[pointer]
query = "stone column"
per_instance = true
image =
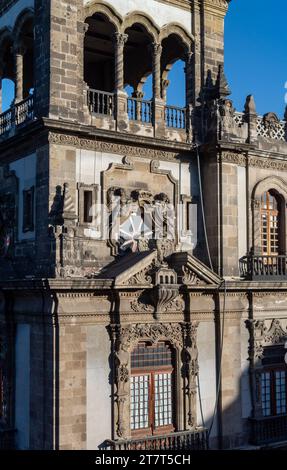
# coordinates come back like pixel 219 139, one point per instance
pixel 19 52
pixel 156 69
pixel 189 80
pixel 158 102
pixel 121 97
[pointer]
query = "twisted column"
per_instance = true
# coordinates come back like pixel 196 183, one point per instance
pixel 119 42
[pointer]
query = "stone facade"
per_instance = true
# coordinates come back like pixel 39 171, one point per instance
pixel 74 303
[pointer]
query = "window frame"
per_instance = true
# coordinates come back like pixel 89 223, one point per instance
pixel 94 189
pixel 273 399
pixel 28 225
pixel 269 212
pixel 152 371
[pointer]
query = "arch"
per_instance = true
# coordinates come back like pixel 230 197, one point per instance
pixel 6 35
pixel 144 20
pixel 271 182
pixel 278 186
pixel 26 15
pixel 177 30
pixel 106 10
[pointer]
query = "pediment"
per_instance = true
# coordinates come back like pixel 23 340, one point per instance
pixel 193 272
pixel 141 269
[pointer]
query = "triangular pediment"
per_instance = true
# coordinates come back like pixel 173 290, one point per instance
pixel 140 269
pixel 132 270
pixel 192 272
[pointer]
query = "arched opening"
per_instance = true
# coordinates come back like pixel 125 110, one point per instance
pixel 138 72
pixel 99 63
pixel 7 84
pixel 152 389
pixel 8 94
pixel 173 80
pixel 270 223
pixel 27 42
pixel 99 53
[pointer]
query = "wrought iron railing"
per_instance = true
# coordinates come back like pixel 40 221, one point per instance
pixel 186 440
pixel 263 267
pixel 140 110
pixel 7 439
pixel 175 117
pixel 268 430
pixel 18 114
pixel 101 102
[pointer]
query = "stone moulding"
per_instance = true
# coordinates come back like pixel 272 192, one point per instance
pixel 111 147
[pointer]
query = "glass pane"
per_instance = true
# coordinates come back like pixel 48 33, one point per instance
pixel 280 387
pixel 163 399
pixel 139 401
pixel 266 393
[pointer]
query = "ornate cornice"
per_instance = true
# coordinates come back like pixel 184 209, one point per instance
pixel 267 164
pixel 110 147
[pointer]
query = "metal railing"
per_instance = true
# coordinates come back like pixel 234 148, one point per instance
pixel 7 439
pixel 268 430
pixel 101 102
pixel 18 114
pixel 140 110
pixel 175 117
pixel 185 440
pixel 263 267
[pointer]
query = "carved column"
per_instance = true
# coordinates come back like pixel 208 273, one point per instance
pixel 158 103
pixel 121 97
pixel 19 52
pixel 191 372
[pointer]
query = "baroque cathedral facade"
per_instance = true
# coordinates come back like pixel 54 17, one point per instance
pixel 143 273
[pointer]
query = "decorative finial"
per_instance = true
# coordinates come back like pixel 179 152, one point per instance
pixel 222 87
pixel 250 106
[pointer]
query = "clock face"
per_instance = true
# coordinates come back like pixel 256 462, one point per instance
pixel 131 231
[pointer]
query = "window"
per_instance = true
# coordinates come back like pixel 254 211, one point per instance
pixel 273 392
pixel 88 204
pixel 87 199
pixel 152 389
pixel 269 224
pixel 273 382
pixel 28 210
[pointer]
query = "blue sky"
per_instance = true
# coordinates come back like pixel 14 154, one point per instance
pixel 255 53
pixel 255 57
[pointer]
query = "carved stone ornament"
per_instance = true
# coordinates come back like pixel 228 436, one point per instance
pixel 261 336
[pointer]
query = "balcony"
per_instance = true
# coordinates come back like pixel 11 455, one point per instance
pixel 263 268
pixel 7 439
pixel 17 115
pixel 268 430
pixel 101 102
pixel 140 110
pixel 179 441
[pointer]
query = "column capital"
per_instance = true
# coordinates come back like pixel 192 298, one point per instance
pixel 120 38
pixel 156 48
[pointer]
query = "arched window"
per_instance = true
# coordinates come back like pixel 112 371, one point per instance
pixel 152 389
pixel 270 224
